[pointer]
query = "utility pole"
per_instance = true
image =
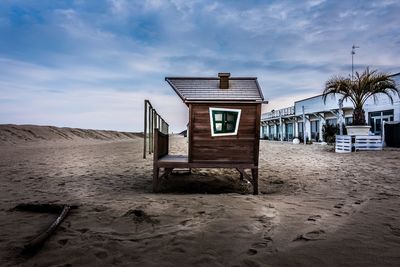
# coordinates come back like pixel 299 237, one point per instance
pixel 304 126
pixel 353 52
pixel 280 125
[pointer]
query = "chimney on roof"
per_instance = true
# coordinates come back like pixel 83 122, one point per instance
pixel 224 80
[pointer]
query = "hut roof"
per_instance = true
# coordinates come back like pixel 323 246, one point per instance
pixel 194 89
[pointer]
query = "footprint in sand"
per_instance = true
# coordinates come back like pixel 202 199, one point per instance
pixel 358 202
pixel 338 206
pixel 185 222
pixel 252 251
pixel 314 218
pixel 311 236
pixel 262 244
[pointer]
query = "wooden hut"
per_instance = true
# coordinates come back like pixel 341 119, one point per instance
pixel 223 129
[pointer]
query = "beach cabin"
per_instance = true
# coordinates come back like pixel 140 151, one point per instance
pixel 223 129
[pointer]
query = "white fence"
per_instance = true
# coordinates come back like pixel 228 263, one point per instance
pixel 343 144
pixel 362 142
pixel 367 142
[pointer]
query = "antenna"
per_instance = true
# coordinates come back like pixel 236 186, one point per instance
pixel 353 52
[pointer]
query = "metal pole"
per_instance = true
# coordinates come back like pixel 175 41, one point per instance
pixel 352 64
pixel 145 129
pixel 353 52
pixel 340 116
pixel 280 126
pixel 304 126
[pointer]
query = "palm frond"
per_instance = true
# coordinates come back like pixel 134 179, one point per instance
pixel 336 85
pixel 365 85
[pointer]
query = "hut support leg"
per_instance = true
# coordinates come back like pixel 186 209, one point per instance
pixel 156 172
pixel 243 174
pixel 254 174
pixel 167 171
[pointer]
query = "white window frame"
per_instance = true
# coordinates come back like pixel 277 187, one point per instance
pixel 239 111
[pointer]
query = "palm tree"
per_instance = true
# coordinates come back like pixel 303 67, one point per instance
pixel 368 84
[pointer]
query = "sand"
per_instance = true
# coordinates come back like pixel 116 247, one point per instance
pixel 315 208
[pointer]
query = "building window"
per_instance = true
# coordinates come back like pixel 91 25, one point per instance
pixel 271 132
pixel 377 118
pixel 331 121
pixel 289 131
pixel 224 121
pixel 300 129
pixel 277 132
pixel 348 120
pixel 314 130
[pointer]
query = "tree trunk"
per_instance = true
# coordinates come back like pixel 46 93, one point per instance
pixel 358 117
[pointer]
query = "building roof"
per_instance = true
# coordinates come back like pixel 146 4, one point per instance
pixel 192 89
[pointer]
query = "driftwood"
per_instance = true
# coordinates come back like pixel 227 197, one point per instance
pixel 36 243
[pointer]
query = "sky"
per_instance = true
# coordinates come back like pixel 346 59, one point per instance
pixel 91 64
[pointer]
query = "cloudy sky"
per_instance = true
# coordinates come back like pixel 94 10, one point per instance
pixel 90 64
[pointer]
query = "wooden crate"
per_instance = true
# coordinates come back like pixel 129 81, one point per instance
pixel 343 144
pixel 368 142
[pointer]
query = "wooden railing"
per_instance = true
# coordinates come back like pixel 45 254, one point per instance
pixel 161 144
pixel 152 121
pixel 278 113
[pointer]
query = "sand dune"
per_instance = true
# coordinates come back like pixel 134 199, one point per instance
pixel 17 134
pixel 316 208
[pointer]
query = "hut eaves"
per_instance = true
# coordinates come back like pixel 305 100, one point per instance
pixel 194 89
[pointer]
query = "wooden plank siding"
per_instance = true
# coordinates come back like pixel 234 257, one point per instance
pixel 240 148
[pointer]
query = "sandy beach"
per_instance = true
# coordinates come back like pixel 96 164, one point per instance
pixel 315 208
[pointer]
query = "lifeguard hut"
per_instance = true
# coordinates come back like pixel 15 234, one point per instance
pixel 223 129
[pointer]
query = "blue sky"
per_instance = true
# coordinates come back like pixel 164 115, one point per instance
pixel 90 64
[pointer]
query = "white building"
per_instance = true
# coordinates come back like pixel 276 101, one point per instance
pixel 287 123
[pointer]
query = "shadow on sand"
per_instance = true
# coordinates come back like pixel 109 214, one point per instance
pixel 205 183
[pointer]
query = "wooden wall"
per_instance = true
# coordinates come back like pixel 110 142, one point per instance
pixel 240 148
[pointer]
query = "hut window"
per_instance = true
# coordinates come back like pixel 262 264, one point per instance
pixel 224 121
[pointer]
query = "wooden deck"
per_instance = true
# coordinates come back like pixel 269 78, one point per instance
pixel 166 163
pixel 173 161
